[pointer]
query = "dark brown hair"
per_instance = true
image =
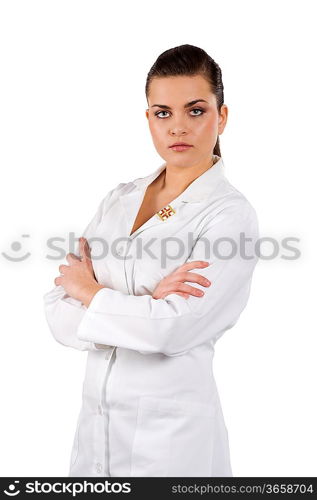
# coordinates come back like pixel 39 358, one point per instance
pixel 188 60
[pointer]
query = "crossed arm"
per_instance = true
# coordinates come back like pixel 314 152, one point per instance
pixel 172 325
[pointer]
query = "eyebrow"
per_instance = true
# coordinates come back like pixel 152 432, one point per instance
pixel 185 106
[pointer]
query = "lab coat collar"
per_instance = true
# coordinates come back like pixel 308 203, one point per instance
pixel 199 189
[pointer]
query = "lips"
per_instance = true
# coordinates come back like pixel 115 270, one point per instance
pixel 180 146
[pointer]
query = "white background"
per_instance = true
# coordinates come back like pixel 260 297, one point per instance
pixel 73 126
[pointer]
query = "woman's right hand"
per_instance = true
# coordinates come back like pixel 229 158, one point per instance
pixel 174 282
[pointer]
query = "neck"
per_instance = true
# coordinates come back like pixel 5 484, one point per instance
pixel 174 180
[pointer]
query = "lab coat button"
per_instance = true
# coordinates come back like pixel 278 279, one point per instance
pixel 98 467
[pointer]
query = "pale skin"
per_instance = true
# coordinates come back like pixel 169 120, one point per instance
pixel 171 119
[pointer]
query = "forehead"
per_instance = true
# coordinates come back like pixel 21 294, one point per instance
pixel 179 90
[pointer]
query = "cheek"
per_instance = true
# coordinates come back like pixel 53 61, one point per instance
pixel 206 129
pixel 157 130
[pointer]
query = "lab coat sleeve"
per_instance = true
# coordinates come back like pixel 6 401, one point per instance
pixel 174 325
pixel 64 313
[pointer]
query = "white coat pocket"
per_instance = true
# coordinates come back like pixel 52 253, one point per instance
pixel 173 438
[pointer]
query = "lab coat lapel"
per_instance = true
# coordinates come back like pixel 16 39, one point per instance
pixel 196 192
pixel 131 203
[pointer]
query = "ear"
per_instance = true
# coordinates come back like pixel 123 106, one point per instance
pixel 223 117
pixel 147 113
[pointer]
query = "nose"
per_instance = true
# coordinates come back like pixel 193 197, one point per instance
pixel 178 129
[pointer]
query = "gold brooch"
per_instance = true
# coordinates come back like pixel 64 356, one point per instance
pixel 166 212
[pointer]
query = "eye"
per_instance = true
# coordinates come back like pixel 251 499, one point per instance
pixel 202 111
pixel 159 112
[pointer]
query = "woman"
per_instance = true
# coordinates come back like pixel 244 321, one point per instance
pixel 150 402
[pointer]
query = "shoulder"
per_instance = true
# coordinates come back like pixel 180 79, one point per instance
pixel 124 188
pixel 229 209
pixel 117 191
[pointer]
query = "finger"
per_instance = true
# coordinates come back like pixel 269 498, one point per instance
pixel 57 281
pixel 193 277
pixel 62 268
pixel 187 276
pixel 181 287
pixel 84 249
pixel 81 247
pixel 185 295
pixel 71 257
pixel 194 264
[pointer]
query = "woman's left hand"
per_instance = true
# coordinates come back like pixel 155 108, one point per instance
pixel 78 278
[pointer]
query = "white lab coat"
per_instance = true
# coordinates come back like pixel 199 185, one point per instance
pixel 150 405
